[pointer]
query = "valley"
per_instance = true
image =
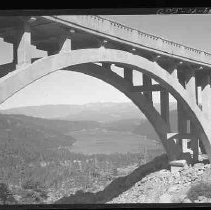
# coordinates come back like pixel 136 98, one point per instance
pixel 44 159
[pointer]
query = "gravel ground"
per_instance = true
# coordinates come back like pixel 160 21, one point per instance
pixel 165 186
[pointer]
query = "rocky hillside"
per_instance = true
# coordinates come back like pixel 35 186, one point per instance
pixel 189 185
pixel 153 183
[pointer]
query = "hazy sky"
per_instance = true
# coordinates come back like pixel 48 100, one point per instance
pixel 75 88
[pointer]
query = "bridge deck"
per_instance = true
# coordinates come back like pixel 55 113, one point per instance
pixel 127 35
pixel 47 30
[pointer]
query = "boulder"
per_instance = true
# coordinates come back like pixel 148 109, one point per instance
pixel 202 198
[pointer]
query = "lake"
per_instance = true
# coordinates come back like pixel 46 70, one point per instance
pixel 99 141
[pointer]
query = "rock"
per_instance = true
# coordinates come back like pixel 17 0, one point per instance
pixel 182 197
pixel 208 200
pixel 165 198
pixel 186 184
pixel 200 172
pixel 173 188
pixel 187 200
pixel 197 201
pixel 198 165
pixel 202 198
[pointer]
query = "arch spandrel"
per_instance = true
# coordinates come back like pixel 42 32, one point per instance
pixel 17 80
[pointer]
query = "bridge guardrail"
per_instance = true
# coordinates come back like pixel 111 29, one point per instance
pixel 126 33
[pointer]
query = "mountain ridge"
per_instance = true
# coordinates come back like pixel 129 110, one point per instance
pixel 108 111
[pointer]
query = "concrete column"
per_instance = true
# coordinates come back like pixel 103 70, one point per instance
pixel 128 75
pixel 194 144
pixel 66 45
pixel 190 84
pixel 181 77
pixel 174 73
pixel 182 124
pixel 206 96
pixel 63 44
pixel 22 47
pixel 147 81
pixel 106 65
pixel 164 105
pixel 202 149
pixel 181 115
pixel 199 96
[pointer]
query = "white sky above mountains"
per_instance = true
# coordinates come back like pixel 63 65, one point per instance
pixel 75 88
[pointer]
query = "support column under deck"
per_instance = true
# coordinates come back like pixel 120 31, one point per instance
pixel 22 47
pixel 190 85
pixel 147 81
pixel 164 106
pixel 181 115
pixel 206 95
pixel 64 44
pixel 206 100
pixel 128 75
pixel 181 125
pixel 194 142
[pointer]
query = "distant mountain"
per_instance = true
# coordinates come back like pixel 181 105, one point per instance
pixel 140 126
pixel 92 111
pixel 55 125
pixel 28 138
pixel 62 119
pixel 45 111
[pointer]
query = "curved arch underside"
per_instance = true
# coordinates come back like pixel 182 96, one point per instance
pixel 18 79
pixel 160 126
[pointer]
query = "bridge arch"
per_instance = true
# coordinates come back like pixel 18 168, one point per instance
pixel 18 79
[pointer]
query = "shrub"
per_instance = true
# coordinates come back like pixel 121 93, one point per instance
pixel 36 186
pixel 200 189
pixel 6 196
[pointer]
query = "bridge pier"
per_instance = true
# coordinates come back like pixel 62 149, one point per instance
pixel 128 75
pixel 188 80
pixel 205 91
pixel 181 115
pixel 22 46
pixel 165 114
pixel 164 106
pixel 182 123
pixel 147 82
pixel 190 84
pixel 194 144
pixel 64 44
pixel 206 95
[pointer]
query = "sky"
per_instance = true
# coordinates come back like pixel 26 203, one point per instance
pixel 75 88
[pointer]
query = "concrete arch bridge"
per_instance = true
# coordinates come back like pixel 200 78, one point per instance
pixel 93 46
